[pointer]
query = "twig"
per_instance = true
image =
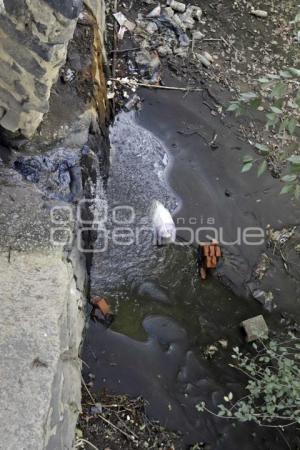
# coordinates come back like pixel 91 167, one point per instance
pixel 86 442
pixel 134 49
pixel 156 86
pixel 131 437
pixel 284 438
pixel 88 391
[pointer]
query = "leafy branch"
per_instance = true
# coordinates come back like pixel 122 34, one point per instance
pixel 273 386
pixel 278 96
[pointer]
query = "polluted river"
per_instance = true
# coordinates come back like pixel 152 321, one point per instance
pixel 172 336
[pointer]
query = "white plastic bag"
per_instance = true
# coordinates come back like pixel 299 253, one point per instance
pixel 163 224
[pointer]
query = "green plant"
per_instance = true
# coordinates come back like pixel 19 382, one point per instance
pixel 273 385
pixel 278 95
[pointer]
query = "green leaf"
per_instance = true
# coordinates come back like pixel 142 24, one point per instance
pixel 273 76
pixel 297 18
pixel 247 96
pixel 289 178
pixel 233 107
pixel 255 103
pixel 264 80
pixel 276 110
pixel 294 71
pixel 287 188
pixel 262 168
pixel 247 166
pixel 279 90
pixel 272 119
pixel 297 192
pixel 295 159
pixel 263 149
pixel 247 159
pixel 297 99
pixel 283 125
pixel 285 74
pixel 292 125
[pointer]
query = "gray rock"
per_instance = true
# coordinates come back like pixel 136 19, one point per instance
pixel 151 291
pixel 255 328
pixel 263 297
pixel 176 6
pixel 164 50
pixel 195 12
pixel 169 11
pixel 151 28
pixel 182 52
pixel 259 13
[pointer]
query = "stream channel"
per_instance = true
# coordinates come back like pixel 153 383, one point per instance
pixel 165 317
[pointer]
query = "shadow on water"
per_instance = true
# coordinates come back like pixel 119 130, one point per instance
pixel 165 318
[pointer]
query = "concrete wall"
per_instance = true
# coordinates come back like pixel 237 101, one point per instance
pixel 43 287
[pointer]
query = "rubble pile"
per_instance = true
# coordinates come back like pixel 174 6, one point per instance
pixel 169 30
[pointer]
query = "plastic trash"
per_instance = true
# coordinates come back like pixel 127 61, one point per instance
pixel 163 224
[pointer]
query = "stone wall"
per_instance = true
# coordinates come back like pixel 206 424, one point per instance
pixel 34 36
pixel 43 286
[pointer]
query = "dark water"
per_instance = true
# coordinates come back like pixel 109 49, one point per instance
pixel 165 318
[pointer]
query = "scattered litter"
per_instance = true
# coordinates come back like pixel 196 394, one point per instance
pixel 280 237
pixel 97 409
pixel 265 298
pixel 204 60
pixel 152 28
pixel 208 57
pixel 197 35
pixel 169 11
pixel 208 255
pixel 259 13
pixel 102 311
pixel 110 95
pixel 163 223
pixel 156 12
pixel 164 50
pixel 132 83
pixel 223 343
pixel 195 12
pixel 182 52
pixel 121 33
pixel 68 75
pixel 210 351
pixel 176 6
pixel 134 102
pixel 255 328
pixel 262 266
pixel 123 21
